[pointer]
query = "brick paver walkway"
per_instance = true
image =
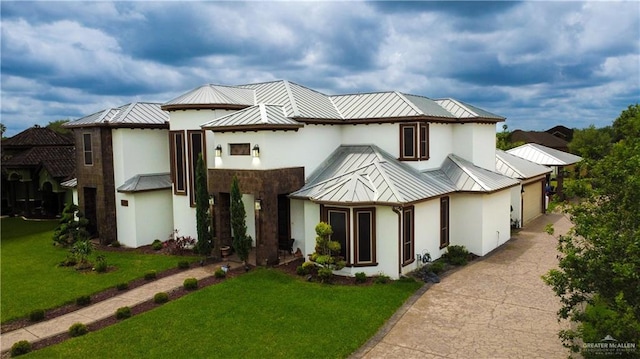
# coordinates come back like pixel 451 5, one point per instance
pixel 496 307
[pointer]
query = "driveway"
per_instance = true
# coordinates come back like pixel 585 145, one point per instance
pixel 496 307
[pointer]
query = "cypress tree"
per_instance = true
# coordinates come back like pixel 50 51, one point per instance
pixel 203 246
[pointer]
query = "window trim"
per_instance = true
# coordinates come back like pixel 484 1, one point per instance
pixel 240 149
pixel 408 211
pixel 445 228
pixel 420 137
pixel 173 136
pixel 372 239
pixel 192 164
pixel 324 216
pixel 86 152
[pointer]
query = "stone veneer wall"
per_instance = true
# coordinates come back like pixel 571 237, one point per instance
pixel 99 176
pixel 265 185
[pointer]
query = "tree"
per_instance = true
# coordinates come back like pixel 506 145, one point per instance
pixel 241 242
pixel 591 143
pixel 327 252
pixel 57 126
pixel 203 246
pixel 503 140
pixel 3 129
pixel 70 230
pixel 598 279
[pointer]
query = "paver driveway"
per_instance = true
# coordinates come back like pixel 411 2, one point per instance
pixel 497 307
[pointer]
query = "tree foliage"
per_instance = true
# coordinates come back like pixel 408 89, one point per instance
pixel 503 140
pixel 70 230
pixel 591 143
pixel 598 280
pixel 241 242
pixel 327 251
pixel 57 126
pixel 203 221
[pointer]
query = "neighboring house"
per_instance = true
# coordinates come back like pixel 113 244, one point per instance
pixel 540 137
pixel 396 175
pixel 530 203
pixel 34 163
pixel 549 157
pixel 562 132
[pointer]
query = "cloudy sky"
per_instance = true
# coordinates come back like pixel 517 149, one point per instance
pixel 537 63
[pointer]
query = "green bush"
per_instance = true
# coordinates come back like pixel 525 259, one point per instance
pixel 437 267
pixel 122 286
pixel 406 279
pixel 361 277
pixel 101 264
pixel 78 329
pixel 325 275
pixel 160 298
pixel 150 275
pixel 190 284
pixel 36 315
pixel 123 313
pixel 115 244
pixel 183 264
pixel 306 268
pixel 219 273
pixel 456 255
pixel 300 270
pixel 381 279
pixel 83 300
pixel 20 348
pixel 156 245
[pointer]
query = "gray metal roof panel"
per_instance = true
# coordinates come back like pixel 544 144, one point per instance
pixel 146 182
pixel 72 183
pixel 428 107
pixel 517 167
pixel 260 115
pixel 468 177
pixel 136 113
pixel 215 94
pixel 462 110
pixel 544 155
pixel 374 105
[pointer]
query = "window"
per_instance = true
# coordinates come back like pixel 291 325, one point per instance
pixel 414 141
pixel 407 235
pixel 87 150
pixel 239 149
pixel 196 146
pixel 338 218
pixel 365 235
pixel 444 222
pixel 178 167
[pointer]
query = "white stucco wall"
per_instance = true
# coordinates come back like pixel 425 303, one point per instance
pixel 139 151
pixel 516 204
pixel 476 143
pixel 427 232
pixel 466 218
pixel 311 219
pixel 145 219
pixel 297 224
pixel 496 228
pixel 126 218
pixel 248 200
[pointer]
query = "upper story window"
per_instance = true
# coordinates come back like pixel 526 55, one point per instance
pixel 87 149
pixel 239 149
pixel 196 145
pixel 414 141
pixel 178 165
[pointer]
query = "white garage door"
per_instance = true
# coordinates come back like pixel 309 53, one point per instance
pixel 532 201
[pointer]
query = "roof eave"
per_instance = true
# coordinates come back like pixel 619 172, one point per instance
pixel 203 106
pixel 247 128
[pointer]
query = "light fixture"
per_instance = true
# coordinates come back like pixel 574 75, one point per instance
pixel 256 151
pixel 219 151
pixel 212 200
pixel 257 205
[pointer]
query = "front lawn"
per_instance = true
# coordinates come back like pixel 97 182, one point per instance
pixel 31 279
pixel 261 314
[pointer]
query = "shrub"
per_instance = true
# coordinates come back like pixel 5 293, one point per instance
pixel 300 270
pixel 183 264
pixel 101 264
pixel 405 279
pixel 191 283
pixel 20 348
pixel 150 275
pixel 156 245
pixel 122 286
pixel 160 298
pixel 456 255
pixel 219 273
pixel 361 277
pixel 325 274
pixel 115 244
pixel 36 315
pixel 123 313
pixel 78 329
pixel 70 261
pixel 437 267
pixel 381 279
pixel 83 300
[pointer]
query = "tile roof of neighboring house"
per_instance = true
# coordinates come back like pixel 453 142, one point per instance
pixel 38 136
pixel 367 174
pixel 146 182
pixel 260 117
pixel 544 155
pixel 541 138
pixel 562 132
pixel 133 115
pixel 468 177
pixel 517 167
pixel 58 161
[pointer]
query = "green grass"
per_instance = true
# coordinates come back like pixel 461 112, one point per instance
pixel 31 279
pixel 261 314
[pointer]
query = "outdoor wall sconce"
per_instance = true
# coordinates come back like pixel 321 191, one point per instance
pixel 219 151
pixel 256 151
pixel 257 205
pixel 212 200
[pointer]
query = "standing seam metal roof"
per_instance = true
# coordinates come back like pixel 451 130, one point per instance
pixel 260 115
pixel 137 113
pixel 517 167
pixel 468 177
pixel 544 155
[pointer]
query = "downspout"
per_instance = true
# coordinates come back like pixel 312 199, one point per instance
pixel 398 210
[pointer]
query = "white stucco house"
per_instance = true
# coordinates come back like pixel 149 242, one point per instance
pixel 396 175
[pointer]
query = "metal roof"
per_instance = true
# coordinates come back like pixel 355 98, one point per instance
pixel 544 155
pixel 465 111
pixel 374 105
pixel 72 183
pixel 468 177
pixel 146 182
pixel 137 114
pixel 257 117
pixel 214 94
pixel 367 174
pixel 517 167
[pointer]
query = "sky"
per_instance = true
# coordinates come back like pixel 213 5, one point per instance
pixel 539 64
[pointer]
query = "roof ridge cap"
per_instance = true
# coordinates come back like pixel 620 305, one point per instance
pixel 457 161
pixel 408 102
pixel 294 105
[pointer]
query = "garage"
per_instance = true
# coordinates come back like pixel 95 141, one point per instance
pixel 532 201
